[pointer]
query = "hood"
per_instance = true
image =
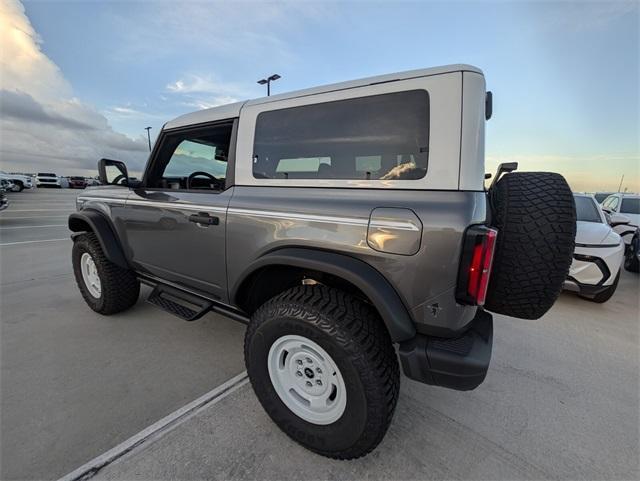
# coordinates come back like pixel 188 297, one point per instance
pixel 634 218
pixel 595 233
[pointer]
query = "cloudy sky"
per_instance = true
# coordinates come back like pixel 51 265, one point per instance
pixel 81 80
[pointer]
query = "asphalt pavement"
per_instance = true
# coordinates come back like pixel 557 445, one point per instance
pixel 561 400
pixel 73 383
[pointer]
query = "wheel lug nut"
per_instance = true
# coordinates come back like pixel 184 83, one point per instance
pixel 319 382
pixel 318 370
pixel 299 361
pixel 309 384
pixel 299 374
pixel 309 360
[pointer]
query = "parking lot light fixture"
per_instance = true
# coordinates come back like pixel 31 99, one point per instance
pixel 268 81
pixel 148 136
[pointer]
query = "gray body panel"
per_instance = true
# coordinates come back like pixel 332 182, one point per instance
pixel 163 242
pixel 263 219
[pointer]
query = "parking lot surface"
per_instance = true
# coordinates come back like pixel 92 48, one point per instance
pixel 561 400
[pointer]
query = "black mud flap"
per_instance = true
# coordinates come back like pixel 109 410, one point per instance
pixel 459 363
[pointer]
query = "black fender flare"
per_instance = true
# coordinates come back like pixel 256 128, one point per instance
pixel 96 222
pixel 374 285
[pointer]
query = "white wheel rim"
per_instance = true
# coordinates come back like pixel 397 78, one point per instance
pixel 90 275
pixel 307 380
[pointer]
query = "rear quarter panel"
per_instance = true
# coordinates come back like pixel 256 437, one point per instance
pixel 262 219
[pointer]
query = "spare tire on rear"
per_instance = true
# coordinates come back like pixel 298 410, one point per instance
pixel 535 215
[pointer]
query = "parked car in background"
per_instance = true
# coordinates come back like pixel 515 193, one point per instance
pixel 45 179
pixel 4 186
pixel 627 205
pixel 77 182
pixel 632 256
pixel 600 196
pixel 7 185
pixel 4 202
pixel 597 258
pixel 19 181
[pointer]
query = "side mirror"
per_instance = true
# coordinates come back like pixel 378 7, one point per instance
pixel 618 219
pixel 112 172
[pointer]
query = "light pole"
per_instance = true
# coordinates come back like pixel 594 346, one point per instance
pixel 148 136
pixel 268 81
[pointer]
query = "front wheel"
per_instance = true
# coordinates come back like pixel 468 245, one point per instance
pixel 106 287
pixel 323 366
pixel 18 187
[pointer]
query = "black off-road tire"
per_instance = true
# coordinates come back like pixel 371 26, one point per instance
pixel 19 187
pixel 535 215
pixel 631 263
pixel 352 333
pixel 605 295
pixel 120 288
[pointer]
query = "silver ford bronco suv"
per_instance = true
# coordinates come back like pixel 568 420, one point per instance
pixel 337 222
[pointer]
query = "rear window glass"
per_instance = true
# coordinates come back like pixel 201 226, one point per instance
pixel 630 206
pixel 382 137
pixel 586 210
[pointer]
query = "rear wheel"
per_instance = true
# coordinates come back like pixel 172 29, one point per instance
pixel 534 213
pixel 106 287
pixel 18 187
pixel 323 366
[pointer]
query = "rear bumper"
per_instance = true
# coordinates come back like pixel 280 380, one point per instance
pixel 459 363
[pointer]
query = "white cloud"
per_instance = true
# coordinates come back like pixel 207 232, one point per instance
pixel 205 92
pixel 43 126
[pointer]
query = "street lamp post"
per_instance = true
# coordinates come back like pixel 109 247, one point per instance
pixel 268 81
pixel 148 136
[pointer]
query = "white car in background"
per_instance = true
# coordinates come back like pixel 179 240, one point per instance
pixel 598 254
pixel 629 206
pixel 19 181
pixel 44 179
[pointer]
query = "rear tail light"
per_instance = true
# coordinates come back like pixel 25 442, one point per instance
pixel 475 265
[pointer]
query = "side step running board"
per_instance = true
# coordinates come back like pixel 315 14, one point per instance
pixel 179 303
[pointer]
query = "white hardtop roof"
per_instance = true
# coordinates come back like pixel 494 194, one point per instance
pixel 233 110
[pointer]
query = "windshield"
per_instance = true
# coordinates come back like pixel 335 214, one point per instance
pixel 41 174
pixel 586 210
pixel 600 196
pixel 630 206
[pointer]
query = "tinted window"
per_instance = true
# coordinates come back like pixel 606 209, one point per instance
pixel 46 175
pixel 379 137
pixel 193 160
pixel 630 206
pixel 600 196
pixel 614 203
pixel 586 210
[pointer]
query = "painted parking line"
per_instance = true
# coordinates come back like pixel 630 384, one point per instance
pixel 33 241
pixel 167 423
pixel 32 226
pixel 5 217
pixel 39 210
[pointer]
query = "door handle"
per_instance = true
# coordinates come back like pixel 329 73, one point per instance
pixel 204 218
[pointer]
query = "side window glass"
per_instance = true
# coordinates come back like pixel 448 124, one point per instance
pixel 194 160
pixel 383 137
pixel 614 203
